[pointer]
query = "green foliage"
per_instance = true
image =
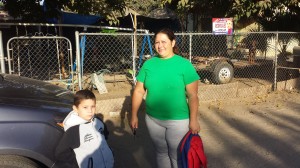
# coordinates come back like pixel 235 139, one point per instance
pixel 264 11
pixel 142 7
pixel 110 9
pixel 108 31
pixel 27 9
pixel 31 10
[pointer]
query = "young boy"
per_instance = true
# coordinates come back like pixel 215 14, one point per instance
pixel 83 144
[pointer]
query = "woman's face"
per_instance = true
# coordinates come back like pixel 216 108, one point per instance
pixel 164 46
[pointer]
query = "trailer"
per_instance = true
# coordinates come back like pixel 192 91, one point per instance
pixel 218 70
pixel 221 69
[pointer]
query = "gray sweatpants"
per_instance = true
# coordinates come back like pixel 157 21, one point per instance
pixel 166 136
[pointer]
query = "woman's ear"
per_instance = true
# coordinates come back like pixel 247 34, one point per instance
pixel 173 43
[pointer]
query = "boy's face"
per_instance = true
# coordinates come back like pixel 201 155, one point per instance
pixel 86 109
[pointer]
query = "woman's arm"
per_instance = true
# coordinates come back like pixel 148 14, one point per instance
pixel 137 98
pixel 193 101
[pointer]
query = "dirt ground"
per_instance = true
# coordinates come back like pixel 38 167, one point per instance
pixel 253 132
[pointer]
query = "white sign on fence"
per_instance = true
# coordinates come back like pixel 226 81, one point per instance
pixel 222 26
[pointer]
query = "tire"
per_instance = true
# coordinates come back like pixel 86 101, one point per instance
pixel 13 161
pixel 222 73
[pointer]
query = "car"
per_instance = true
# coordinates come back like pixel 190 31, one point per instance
pixel 30 115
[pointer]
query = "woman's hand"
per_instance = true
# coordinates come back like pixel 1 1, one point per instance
pixel 137 99
pixel 194 126
pixel 134 122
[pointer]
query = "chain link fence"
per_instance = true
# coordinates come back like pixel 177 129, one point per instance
pixel 47 58
pixel 108 62
pixel 253 60
pixel 243 60
pixel 109 66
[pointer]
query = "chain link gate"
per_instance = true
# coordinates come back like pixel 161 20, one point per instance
pixel 47 58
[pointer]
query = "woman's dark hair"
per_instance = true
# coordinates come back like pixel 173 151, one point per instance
pixel 170 35
pixel 83 95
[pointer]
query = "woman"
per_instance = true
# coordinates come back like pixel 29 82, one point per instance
pixel 170 81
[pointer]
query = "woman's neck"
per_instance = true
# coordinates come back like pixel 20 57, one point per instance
pixel 167 57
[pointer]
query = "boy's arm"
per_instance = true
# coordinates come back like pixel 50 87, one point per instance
pixel 64 153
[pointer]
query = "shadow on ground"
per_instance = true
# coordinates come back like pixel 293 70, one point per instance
pixel 253 132
pixel 252 136
pixel 130 151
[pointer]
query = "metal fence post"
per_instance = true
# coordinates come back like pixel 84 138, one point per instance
pixel 8 56
pixel 78 66
pixel 275 66
pixel 2 54
pixel 134 51
pixel 190 48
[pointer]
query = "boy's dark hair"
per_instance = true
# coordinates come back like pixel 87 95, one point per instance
pixel 83 95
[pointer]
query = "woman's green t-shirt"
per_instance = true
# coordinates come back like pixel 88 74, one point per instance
pixel 165 81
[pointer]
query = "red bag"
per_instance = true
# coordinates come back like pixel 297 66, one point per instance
pixel 192 151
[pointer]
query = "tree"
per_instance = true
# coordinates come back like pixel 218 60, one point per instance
pixel 110 9
pixel 275 15
pixel 202 8
pixel 279 15
pixel 33 11
pixel 269 13
pixel 142 7
pixel 28 10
